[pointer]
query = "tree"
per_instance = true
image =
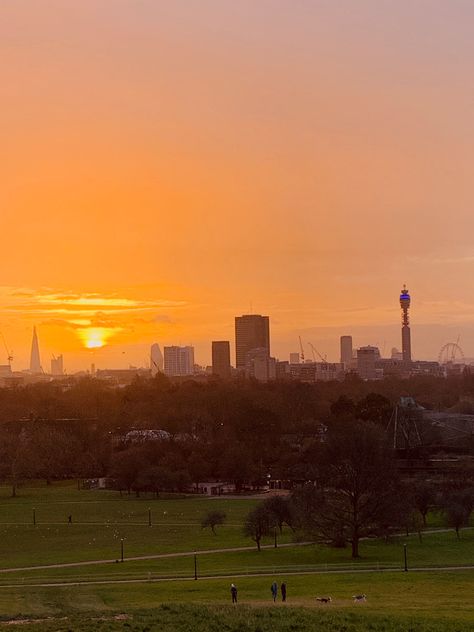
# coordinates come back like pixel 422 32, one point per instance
pixel 258 524
pixel 457 508
pixel 424 497
pixel 355 489
pixel 280 509
pixel 126 468
pixel 375 408
pixel 213 519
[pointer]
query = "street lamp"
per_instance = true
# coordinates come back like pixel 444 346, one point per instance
pixel 149 516
pixel 405 557
pixel 34 516
pixel 121 549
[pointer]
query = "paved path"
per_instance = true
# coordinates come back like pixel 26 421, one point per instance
pixel 149 557
pixel 148 580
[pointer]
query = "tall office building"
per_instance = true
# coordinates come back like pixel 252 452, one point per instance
pixel 57 365
pixel 406 336
pixel 179 361
pixel 260 366
pixel 346 351
pixel 221 358
pixel 35 359
pixel 367 358
pixel 294 358
pixel 156 359
pixel 251 332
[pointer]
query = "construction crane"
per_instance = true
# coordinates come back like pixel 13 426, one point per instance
pixel 302 350
pixel 9 353
pixel 315 351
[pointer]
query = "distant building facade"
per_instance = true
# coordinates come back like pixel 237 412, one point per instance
pixel 294 358
pixel 57 365
pixel 346 351
pixel 252 331
pixel 367 360
pixel 221 358
pixel 178 361
pixel 259 365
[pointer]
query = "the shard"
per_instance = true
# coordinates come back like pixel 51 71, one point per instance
pixel 35 360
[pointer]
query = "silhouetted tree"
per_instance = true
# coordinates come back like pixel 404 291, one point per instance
pixel 213 519
pixel 356 487
pixel 258 524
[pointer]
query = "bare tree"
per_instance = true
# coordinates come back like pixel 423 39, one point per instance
pixel 355 489
pixel 258 524
pixel 213 519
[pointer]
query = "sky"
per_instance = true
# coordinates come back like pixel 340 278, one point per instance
pixel 165 166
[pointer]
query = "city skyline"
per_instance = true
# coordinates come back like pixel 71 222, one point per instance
pixel 298 161
pixel 253 329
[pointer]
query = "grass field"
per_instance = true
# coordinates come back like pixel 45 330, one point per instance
pixel 413 600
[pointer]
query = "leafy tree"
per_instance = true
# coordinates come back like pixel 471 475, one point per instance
pixel 126 468
pixel 344 406
pixel 213 519
pixel 374 407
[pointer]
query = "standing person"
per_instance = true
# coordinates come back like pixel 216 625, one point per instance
pixel 283 591
pixel 233 592
pixel 274 590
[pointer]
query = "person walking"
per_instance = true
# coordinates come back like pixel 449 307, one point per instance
pixel 274 590
pixel 233 592
pixel 283 591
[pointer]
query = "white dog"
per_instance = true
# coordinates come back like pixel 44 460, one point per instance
pixel 359 598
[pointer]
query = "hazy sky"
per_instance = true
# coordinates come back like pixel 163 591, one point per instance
pixel 168 165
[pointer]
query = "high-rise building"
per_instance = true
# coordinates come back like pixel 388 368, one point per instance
pixel 57 365
pixel 346 351
pixel 260 366
pixel 156 359
pixel 252 331
pixel 35 359
pixel 294 358
pixel 406 336
pixel 221 358
pixel 178 361
pixel 367 359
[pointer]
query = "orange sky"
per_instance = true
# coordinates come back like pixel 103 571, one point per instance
pixel 168 165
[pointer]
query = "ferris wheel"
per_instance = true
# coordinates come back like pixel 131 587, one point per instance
pixel 451 353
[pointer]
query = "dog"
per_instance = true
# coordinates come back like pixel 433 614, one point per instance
pixel 324 599
pixel 359 598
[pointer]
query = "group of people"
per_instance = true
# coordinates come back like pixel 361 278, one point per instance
pixel 273 589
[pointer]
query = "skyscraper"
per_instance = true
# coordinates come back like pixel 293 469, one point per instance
pixel 156 359
pixel 346 351
pixel 57 365
pixel 406 336
pixel 179 361
pixel 221 358
pixel 252 331
pixel 35 360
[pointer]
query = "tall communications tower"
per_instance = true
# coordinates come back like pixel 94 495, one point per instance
pixel 406 336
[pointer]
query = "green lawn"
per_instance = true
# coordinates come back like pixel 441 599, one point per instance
pixel 396 600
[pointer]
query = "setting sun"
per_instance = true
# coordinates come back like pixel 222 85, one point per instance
pixel 95 337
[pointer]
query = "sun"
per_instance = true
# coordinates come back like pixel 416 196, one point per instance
pixel 95 337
